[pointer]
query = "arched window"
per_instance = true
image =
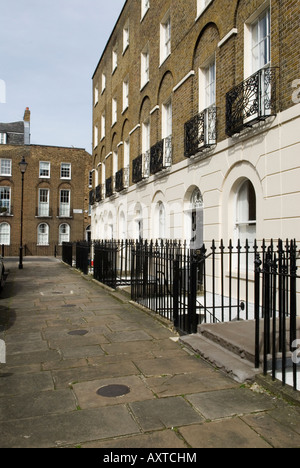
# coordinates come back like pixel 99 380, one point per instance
pixel 161 220
pixel 64 233
pixel 246 212
pixel 196 219
pixel 4 234
pixel 43 234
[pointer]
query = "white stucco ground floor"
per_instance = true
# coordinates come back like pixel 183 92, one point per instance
pixel 248 186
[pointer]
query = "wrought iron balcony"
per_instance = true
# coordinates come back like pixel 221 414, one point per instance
pixel 98 193
pixel 110 186
pixel 161 155
pixel 251 101
pixel 200 132
pixel 122 179
pixel 141 167
pixel 92 197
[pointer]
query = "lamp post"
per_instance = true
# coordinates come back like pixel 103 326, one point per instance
pixel 23 166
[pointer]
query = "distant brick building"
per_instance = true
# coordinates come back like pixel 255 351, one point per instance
pixel 196 122
pixel 56 205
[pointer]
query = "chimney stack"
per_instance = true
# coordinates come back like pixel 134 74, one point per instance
pixel 27 126
pixel 27 115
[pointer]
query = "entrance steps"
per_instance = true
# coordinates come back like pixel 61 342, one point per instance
pixel 227 346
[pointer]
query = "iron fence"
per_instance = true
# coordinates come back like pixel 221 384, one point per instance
pixel 219 283
pixel 67 253
pixel 276 301
pixel 112 262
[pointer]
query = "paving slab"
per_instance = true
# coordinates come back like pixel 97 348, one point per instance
pixel 166 439
pixel 159 414
pixel 19 384
pixel 230 402
pixel 278 434
pixel 87 396
pixel 68 428
pixel 230 433
pixel 30 405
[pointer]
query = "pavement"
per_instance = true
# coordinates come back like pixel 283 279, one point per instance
pixel 87 368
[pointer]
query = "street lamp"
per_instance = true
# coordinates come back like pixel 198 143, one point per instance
pixel 23 166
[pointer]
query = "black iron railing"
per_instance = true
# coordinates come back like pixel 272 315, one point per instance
pixel 67 253
pixel 98 193
pixel 251 101
pixel 92 197
pixel 161 155
pixel 109 187
pixel 200 132
pixel 112 262
pixel 216 283
pixel 276 301
pixel 122 179
pixel 141 167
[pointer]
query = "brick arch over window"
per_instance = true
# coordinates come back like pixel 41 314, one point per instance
pixel 206 51
pixel 165 88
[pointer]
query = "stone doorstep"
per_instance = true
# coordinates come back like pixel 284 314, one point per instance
pixel 237 368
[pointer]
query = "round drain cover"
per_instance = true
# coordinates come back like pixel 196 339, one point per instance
pixel 112 391
pixel 78 332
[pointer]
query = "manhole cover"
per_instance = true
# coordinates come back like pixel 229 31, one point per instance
pixel 69 305
pixel 56 292
pixel 78 332
pixel 112 391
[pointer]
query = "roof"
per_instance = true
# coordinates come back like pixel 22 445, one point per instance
pixel 12 127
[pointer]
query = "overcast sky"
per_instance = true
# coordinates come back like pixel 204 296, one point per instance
pixel 49 50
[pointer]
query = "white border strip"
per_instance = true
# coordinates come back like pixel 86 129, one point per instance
pixel 233 32
pixel 191 73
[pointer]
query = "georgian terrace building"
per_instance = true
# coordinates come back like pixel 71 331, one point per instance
pixel 196 122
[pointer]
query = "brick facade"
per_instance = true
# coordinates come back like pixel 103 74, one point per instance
pixel 223 32
pixel 77 185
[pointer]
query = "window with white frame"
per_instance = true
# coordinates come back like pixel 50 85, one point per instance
pixel 126 153
pixel 5 199
pixel 43 202
pixel 145 75
pixel 3 139
pixel 210 84
pixel 96 136
pixel 4 234
pixel 43 234
pixel 5 167
pixel 125 93
pixel 103 122
pixel 64 233
pixel 103 82
pixel 246 212
pixel 126 36
pixel 146 136
pixel 261 42
pixel 115 162
pixel 165 38
pixel 114 111
pixel 96 95
pixel 91 179
pixel 161 220
pixel 44 170
pixel 145 5
pixel 64 205
pixel 201 6
pixel 65 171
pixel 167 119
pixel 114 60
